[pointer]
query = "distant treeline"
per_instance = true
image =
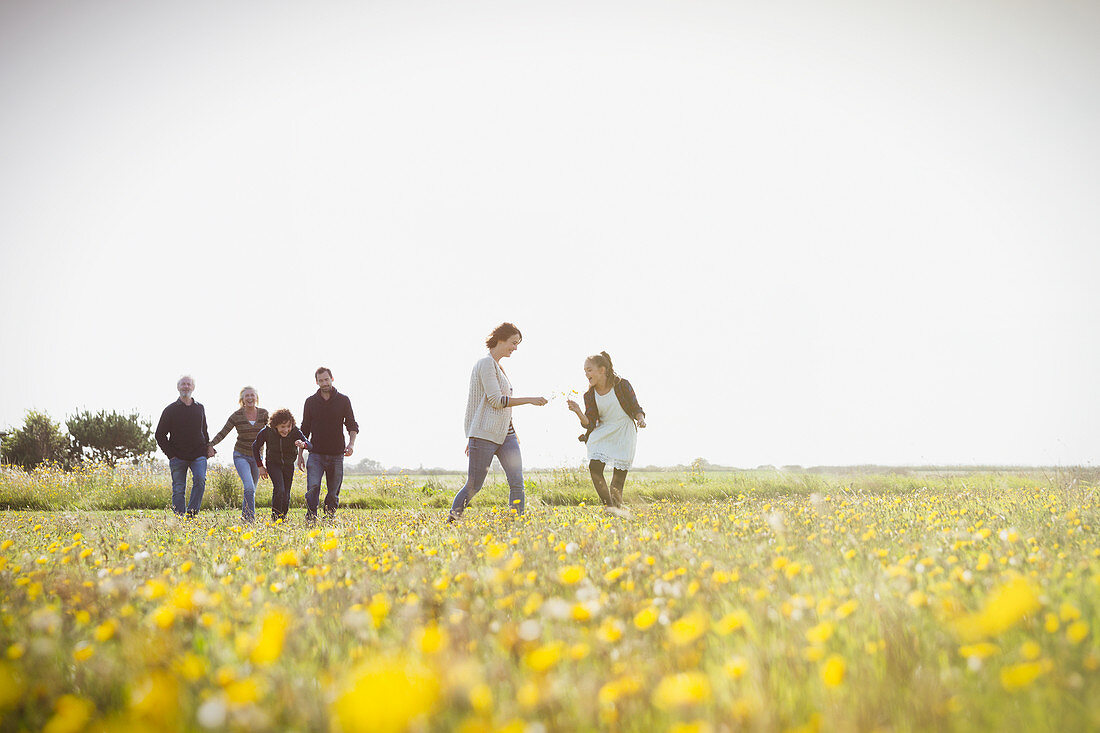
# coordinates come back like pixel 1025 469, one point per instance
pixel 371 467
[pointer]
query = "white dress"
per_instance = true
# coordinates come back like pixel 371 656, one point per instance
pixel 615 437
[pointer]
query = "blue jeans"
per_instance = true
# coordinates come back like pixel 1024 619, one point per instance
pixel 250 474
pixel 333 469
pixel 481 457
pixel 179 484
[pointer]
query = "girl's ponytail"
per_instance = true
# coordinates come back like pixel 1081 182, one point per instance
pixel 604 359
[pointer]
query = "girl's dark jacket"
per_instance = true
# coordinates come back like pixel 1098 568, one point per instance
pixel 627 400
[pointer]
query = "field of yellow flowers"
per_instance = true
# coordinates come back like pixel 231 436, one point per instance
pixel 927 609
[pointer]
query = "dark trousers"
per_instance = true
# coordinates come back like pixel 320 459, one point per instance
pixel 614 496
pixel 281 479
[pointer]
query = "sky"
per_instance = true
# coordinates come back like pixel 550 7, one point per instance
pixel 808 233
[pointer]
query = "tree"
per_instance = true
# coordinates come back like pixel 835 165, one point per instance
pixel 40 439
pixel 368 465
pixel 110 436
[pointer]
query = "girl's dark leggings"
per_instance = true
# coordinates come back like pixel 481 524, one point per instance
pixel 614 496
pixel 281 479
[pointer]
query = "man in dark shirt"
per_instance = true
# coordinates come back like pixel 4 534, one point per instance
pixel 182 435
pixel 324 417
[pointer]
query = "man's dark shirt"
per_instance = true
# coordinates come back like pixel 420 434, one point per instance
pixel 323 422
pixel 181 432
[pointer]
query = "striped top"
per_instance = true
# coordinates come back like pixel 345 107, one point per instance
pixel 488 415
pixel 246 431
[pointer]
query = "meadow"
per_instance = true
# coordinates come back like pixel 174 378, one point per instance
pixel 757 601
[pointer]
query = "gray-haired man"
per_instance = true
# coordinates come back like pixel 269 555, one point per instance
pixel 182 435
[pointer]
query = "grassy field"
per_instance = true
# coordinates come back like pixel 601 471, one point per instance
pixel 720 602
pixel 97 486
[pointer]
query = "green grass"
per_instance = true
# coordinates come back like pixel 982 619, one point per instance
pixel 99 487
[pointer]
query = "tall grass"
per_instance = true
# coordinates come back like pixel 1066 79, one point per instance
pixel 97 486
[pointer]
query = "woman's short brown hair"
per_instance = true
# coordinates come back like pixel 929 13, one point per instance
pixel 503 332
pixel 281 416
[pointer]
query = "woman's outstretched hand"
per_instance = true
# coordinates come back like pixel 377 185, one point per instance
pixel 540 401
pixel 573 406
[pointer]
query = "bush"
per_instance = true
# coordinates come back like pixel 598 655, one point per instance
pixel 110 437
pixel 40 440
pixel 228 492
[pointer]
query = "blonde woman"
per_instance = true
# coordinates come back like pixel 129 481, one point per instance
pixel 249 420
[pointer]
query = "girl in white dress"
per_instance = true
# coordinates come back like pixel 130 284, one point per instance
pixel 611 418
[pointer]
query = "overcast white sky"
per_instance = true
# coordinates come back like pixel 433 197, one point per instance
pixel 812 233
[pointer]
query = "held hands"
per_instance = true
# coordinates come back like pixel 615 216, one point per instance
pixel 263 472
pixel 210 452
pixel 349 450
pixel 301 463
pixel 301 444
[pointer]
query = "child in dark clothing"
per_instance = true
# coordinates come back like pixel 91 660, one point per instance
pixel 285 444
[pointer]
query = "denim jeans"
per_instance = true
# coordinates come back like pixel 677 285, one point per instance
pixel 333 469
pixel 250 474
pixel 282 477
pixel 481 457
pixel 179 468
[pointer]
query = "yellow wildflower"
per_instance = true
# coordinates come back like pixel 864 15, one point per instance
pixel 106 630
pixel 481 698
pixel 736 667
pixel 1077 631
pixel 610 631
pixel 646 618
pixel 432 639
pixel 545 656
pixel 1003 609
pixel 156 698
pixel 979 651
pixel 269 647
pixel 731 622
pixel 571 574
pixel 833 671
pixel 385 695
pixel 83 651
pixel 164 616
pixel 821 633
pixel 688 628
pixel 1019 676
pixel 71 714
pixel 682 689
pixel 379 607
